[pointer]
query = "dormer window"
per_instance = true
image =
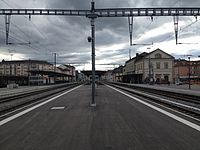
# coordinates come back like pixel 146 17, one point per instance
pixel 158 55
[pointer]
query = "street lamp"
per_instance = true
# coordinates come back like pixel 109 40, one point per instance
pixel 179 61
pixel 198 72
pixel 149 66
pixel 189 72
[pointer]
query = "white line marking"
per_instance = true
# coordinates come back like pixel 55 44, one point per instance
pixel 175 111
pixel 34 107
pixel 188 123
pixel 176 103
pixel 57 108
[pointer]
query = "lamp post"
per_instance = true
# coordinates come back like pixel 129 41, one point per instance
pixel 189 85
pixel 189 72
pixel 149 66
pixel 179 61
pixel 91 39
pixel 198 72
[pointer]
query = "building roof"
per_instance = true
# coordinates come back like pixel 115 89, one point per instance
pixel 141 56
pixel 69 66
pixel 51 73
pixel 158 49
pixel 137 57
pixel 183 62
pixel 97 72
pixel 118 70
pixel 63 68
pixel 25 61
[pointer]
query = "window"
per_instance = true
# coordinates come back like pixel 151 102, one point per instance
pixel 158 55
pixel 157 65
pixel 166 65
pixel 166 77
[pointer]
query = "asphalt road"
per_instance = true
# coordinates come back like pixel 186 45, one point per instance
pixel 114 124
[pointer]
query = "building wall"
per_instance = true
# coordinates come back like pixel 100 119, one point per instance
pixel 22 68
pixel 117 77
pixel 108 76
pixel 181 70
pixel 158 63
pixel 159 67
pixel 129 67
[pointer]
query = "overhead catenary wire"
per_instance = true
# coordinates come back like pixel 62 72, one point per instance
pixel 19 36
pixel 33 24
pixel 22 40
pixel 152 20
pixel 180 31
pixel 28 43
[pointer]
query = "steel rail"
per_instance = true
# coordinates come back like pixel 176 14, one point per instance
pixel 27 98
pixel 94 13
pixel 158 97
pixel 172 94
pixel 30 93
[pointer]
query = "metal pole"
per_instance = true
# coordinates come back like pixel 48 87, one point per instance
pixel 54 62
pixel 176 19
pixel 93 103
pixel 54 67
pixel 179 61
pixel 93 16
pixel 149 66
pixel 7 24
pixel 189 73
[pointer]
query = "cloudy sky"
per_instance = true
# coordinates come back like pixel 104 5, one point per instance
pixel 67 36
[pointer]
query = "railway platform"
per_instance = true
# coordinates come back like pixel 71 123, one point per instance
pixel 195 89
pixel 119 121
pixel 5 92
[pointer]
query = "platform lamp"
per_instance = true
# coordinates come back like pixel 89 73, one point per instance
pixel 149 65
pixel 199 70
pixel 189 72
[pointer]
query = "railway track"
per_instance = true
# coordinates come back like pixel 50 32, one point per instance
pixel 188 104
pixel 11 103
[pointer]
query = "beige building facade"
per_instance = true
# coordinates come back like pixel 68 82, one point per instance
pixel 35 72
pixel 23 67
pixel 156 66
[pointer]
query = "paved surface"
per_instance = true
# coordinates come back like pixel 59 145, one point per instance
pixel 114 124
pixel 4 92
pixel 195 89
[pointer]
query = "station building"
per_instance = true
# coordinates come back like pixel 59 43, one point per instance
pixel 34 72
pixel 156 66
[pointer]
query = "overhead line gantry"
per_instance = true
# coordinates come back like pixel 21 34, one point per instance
pixel 94 13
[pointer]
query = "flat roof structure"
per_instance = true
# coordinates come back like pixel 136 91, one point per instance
pixel 97 72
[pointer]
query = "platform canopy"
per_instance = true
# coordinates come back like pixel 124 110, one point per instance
pixel 50 73
pixel 97 72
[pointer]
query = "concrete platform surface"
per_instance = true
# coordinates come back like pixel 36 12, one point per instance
pixel 116 123
pixel 4 92
pixel 195 89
